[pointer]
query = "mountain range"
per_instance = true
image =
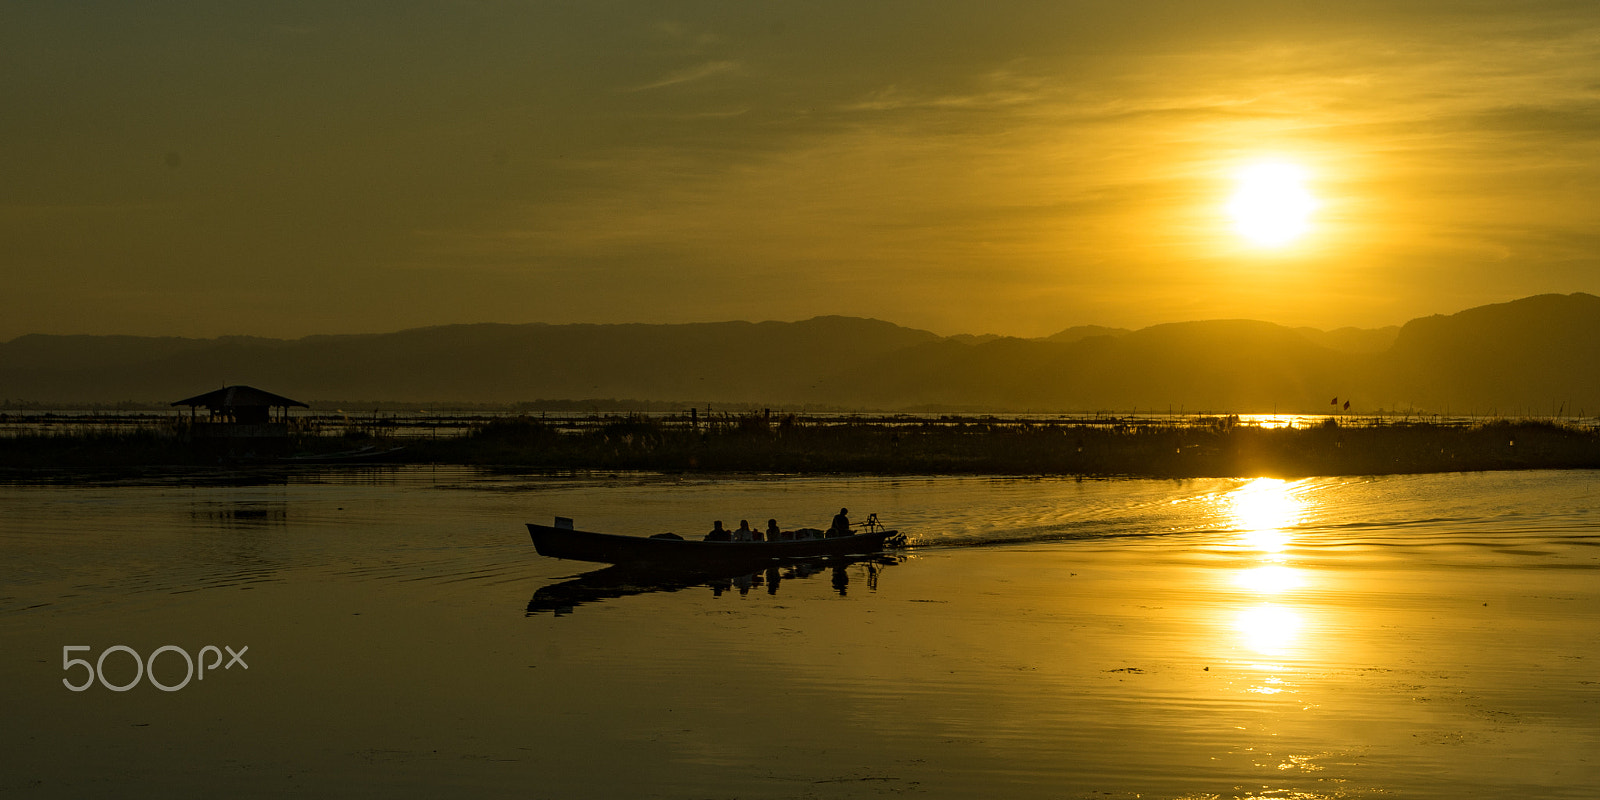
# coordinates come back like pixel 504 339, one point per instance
pixel 1534 356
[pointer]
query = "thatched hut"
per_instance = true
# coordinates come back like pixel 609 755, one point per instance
pixel 241 415
pixel 244 405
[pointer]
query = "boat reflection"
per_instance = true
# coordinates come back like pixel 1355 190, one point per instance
pixel 612 583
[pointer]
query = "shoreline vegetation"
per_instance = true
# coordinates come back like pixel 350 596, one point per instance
pixel 761 442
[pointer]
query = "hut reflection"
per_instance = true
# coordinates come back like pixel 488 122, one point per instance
pixel 241 514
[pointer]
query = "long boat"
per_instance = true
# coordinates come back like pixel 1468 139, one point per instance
pixel 671 552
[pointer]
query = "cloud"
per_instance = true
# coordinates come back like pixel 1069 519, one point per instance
pixel 689 75
pixel 1066 151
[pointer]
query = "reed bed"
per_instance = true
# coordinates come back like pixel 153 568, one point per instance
pixel 1219 447
pixel 759 442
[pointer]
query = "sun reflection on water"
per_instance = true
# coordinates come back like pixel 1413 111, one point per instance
pixel 1270 579
pixel 1263 508
pixel 1269 630
pixel 1264 512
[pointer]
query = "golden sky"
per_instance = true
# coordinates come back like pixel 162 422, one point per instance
pixel 1006 167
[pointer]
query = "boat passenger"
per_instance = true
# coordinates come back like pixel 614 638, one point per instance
pixel 841 523
pixel 773 534
pixel 719 533
pixel 744 534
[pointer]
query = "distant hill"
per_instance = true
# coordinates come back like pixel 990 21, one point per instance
pixel 1353 340
pixel 723 361
pixel 1081 332
pixel 1534 356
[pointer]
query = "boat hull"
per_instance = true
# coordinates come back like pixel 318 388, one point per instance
pixel 607 548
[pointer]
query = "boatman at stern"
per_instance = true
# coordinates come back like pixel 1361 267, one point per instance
pixel 841 523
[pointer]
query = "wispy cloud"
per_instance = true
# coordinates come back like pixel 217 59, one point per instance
pixel 690 75
pixel 996 90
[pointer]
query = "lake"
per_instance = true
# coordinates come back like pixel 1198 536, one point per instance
pixel 392 632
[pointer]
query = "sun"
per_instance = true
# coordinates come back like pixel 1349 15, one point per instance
pixel 1271 206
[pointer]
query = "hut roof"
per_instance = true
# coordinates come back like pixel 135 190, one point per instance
pixel 239 397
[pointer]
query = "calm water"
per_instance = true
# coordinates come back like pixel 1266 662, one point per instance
pixel 1407 636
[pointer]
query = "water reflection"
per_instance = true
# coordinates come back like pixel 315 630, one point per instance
pixel 1264 511
pixel 1269 630
pixel 612 583
pixel 1269 579
pixel 241 514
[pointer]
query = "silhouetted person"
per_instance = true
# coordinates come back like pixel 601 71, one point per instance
pixel 719 533
pixel 773 534
pixel 841 523
pixel 744 534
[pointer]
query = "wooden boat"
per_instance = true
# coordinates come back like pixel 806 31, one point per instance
pixel 367 453
pixel 562 541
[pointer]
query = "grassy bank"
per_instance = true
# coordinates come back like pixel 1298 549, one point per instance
pixel 754 443
pixel 1221 448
